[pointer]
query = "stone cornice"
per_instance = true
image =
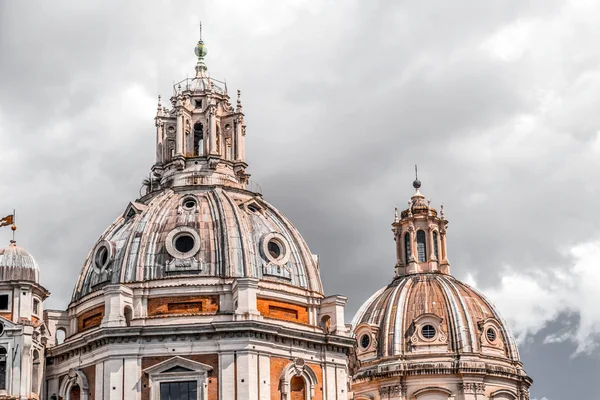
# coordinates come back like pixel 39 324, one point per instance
pixel 250 329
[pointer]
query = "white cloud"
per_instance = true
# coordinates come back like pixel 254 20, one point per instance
pixel 531 300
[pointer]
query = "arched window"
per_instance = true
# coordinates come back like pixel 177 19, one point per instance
pixel 421 246
pixel 435 245
pixel 61 334
pixel 35 372
pixel 198 139
pixel 128 314
pixel 407 249
pixel 2 368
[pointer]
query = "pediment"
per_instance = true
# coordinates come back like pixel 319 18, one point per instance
pixel 252 205
pixel 133 209
pixel 177 364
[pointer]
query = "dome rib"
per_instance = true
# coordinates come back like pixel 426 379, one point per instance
pixel 231 239
pixel 394 308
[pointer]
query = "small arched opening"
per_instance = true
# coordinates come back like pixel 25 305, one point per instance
pixel 35 373
pixel 297 388
pixel 435 245
pixel 198 139
pixel 325 323
pixel 421 246
pixel 128 314
pixel 61 335
pixel 75 392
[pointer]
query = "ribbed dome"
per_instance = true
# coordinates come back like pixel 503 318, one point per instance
pixel 16 264
pixel 205 232
pixel 463 320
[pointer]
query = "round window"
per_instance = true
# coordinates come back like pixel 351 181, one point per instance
pixel 491 335
pixel 428 331
pixel 184 243
pixel 365 341
pixel 275 249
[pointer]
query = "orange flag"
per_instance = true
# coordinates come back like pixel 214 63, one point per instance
pixel 8 220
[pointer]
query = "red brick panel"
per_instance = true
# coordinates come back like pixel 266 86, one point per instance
pixel 90 318
pixel 181 305
pixel 282 310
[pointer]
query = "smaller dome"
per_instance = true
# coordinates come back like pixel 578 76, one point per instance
pixel 16 264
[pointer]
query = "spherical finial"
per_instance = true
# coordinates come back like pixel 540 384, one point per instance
pixel 14 228
pixel 417 184
pixel 200 49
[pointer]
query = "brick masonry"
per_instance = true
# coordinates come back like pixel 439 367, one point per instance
pixel 282 310
pixel 90 318
pixel 277 366
pixel 181 305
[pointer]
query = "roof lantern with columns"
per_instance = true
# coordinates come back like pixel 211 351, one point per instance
pixel 420 235
pixel 200 139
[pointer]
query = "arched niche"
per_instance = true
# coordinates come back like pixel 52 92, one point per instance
pixel 297 369
pixel 73 380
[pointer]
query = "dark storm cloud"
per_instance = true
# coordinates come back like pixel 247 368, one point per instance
pixel 341 102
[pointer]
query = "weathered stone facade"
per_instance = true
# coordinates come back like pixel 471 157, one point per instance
pixel 427 335
pixel 201 289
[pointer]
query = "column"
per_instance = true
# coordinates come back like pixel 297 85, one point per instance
pixel 264 377
pixel 113 379
pixel 132 379
pixel 99 381
pixel 179 135
pixel 247 375
pixel 226 376
pixel 212 130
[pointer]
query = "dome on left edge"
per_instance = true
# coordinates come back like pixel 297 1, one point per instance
pixel 16 264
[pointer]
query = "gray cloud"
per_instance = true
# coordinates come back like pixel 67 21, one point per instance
pixel 495 102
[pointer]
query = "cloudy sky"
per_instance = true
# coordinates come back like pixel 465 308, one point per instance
pixel 496 101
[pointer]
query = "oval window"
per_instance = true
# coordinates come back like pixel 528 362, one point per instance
pixel 101 257
pixel 428 331
pixel 365 341
pixel 491 335
pixel 189 204
pixel 274 249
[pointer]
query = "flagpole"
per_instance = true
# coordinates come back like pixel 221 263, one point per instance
pixel 14 227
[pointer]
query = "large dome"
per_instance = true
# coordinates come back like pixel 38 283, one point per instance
pixel 16 264
pixel 463 320
pixel 205 231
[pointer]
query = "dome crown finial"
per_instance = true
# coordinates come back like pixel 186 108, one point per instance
pixel 200 51
pixel 416 182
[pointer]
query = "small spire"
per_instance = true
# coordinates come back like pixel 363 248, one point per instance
pixel 442 211
pixel 396 220
pixel 200 51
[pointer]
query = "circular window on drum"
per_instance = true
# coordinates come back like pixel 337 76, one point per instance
pixel 428 331
pixel 275 248
pixel 183 242
pixel 491 335
pixel 365 341
pixel 103 255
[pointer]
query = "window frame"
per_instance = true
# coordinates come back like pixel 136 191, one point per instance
pixel 421 241
pixel 8 302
